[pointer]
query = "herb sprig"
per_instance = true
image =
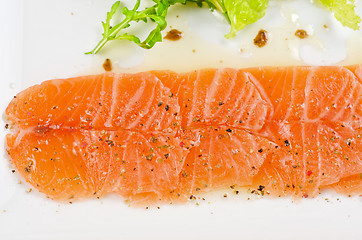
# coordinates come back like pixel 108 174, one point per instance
pixel 156 13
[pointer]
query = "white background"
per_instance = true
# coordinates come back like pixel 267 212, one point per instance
pixel 44 39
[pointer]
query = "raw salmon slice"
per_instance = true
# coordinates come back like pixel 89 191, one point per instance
pixel 102 102
pixel 165 136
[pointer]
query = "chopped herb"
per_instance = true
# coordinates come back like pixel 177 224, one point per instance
pixel 28 168
pixel 196 119
pixel 110 142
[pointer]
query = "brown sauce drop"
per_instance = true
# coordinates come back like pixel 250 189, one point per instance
pixel 173 35
pixel 301 33
pixel 107 65
pixel 261 39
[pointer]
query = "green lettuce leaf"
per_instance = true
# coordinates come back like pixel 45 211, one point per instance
pixel 243 12
pixel 344 12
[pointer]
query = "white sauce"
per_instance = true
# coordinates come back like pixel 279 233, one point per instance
pixel 203 44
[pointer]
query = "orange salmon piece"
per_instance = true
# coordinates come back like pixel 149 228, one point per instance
pixel 108 101
pixel 222 157
pixel 163 136
pixel 351 185
pixel 67 164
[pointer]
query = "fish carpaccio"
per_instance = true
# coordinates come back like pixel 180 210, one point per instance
pixel 160 135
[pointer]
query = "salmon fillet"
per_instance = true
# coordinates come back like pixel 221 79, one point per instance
pixel 164 136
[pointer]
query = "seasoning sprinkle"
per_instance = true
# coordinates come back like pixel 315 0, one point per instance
pixel 28 168
pixel 149 157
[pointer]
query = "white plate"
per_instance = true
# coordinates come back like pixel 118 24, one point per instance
pixel 44 39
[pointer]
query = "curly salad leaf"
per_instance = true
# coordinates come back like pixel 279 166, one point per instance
pixel 239 13
pixel 244 12
pixel 344 12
